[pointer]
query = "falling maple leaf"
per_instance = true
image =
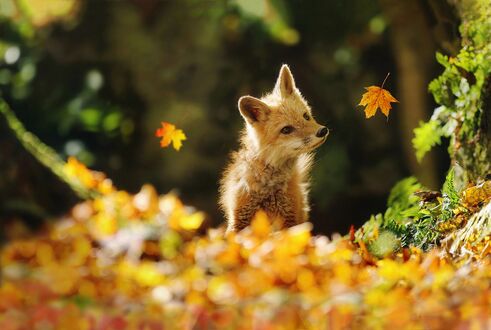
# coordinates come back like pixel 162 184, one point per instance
pixel 377 97
pixel 169 133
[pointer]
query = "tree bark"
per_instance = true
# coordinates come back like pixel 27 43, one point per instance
pixel 417 27
pixel 414 47
pixel 472 152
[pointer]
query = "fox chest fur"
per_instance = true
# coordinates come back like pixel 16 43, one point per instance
pixel 250 185
pixel 269 172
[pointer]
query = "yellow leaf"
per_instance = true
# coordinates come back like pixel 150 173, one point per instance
pixel 42 12
pixel 79 172
pixel 61 279
pixel 105 225
pixel 177 139
pixel 477 194
pixel 147 274
pixel 377 97
pixel 221 291
pixel 44 254
pixel 169 134
pixel 260 224
pixel 87 288
pixel 192 221
pixel 298 237
pixel 305 280
pixel 195 298
pixel 81 251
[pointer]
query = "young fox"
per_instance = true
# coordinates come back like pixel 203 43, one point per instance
pixel 270 170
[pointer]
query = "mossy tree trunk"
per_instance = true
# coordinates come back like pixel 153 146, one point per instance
pixel 464 94
pixel 471 142
pixel 463 91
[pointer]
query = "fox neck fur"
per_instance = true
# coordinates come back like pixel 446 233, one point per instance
pixel 265 171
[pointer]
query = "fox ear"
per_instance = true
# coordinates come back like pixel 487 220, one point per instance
pixel 252 109
pixel 285 83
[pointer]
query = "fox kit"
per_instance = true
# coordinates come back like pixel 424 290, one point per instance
pixel 270 170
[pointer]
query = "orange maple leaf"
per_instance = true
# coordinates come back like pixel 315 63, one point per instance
pixel 377 97
pixel 169 133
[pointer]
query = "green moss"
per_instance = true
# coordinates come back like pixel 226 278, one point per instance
pixel 461 91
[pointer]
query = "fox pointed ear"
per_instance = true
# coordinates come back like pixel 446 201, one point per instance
pixel 252 109
pixel 285 83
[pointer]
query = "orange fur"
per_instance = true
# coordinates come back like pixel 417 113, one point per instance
pixel 270 170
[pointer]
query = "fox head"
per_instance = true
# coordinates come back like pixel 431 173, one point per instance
pixel 280 125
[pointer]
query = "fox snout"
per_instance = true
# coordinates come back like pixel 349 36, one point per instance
pixel 322 132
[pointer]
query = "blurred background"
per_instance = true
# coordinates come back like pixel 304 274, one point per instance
pixel 94 79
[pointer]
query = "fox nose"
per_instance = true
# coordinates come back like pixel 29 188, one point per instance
pixel 323 131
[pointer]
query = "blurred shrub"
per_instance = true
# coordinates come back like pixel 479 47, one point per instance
pixel 95 78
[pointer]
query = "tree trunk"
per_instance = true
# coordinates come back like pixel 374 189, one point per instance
pixel 414 47
pixel 416 27
pixel 471 144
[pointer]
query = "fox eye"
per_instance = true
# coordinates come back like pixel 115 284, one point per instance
pixel 306 116
pixel 287 129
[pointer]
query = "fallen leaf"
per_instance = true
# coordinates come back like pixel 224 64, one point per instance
pixel 192 221
pixel 260 224
pixel 377 97
pixel 170 134
pixel 477 194
pixel 93 180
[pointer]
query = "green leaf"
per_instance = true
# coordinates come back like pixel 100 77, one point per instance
pixel 426 136
pixel 368 232
pixel 401 195
pixel 449 188
pixel 450 196
pixel 385 244
pixel 170 243
pixel 423 234
pixel 442 59
pixel 81 301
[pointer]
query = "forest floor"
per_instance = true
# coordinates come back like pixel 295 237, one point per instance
pixel 144 261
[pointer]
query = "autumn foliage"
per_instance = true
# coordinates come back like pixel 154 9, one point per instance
pixel 169 134
pixel 147 261
pixel 120 260
pixel 377 97
pixel 123 261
